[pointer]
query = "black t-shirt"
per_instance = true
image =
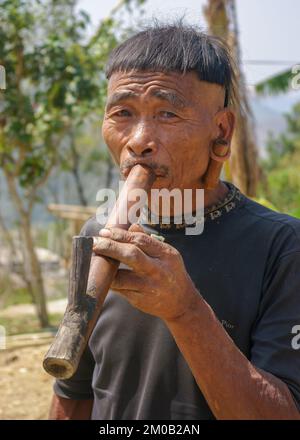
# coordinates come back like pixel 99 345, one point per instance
pixel 246 265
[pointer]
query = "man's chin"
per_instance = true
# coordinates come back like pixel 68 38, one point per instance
pixel 161 183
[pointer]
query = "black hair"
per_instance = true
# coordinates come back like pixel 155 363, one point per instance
pixel 176 48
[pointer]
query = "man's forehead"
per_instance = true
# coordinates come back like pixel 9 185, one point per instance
pixel 142 77
pixel 187 86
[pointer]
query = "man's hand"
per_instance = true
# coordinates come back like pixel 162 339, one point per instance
pixel 70 409
pixel 158 282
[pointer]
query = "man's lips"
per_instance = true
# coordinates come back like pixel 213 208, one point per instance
pixel 159 170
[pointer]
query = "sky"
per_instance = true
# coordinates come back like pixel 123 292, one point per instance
pixel 268 29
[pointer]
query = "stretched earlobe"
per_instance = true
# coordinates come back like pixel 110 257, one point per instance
pixel 220 152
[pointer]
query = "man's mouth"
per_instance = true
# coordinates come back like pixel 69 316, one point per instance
pixel 159 170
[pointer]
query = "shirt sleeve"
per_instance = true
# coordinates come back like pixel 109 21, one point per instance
pixel 275 346
pixel 79 386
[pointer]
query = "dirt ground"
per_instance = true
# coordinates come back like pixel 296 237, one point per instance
pixel 26 389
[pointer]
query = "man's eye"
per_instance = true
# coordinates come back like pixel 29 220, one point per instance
pixel 168 115
pixel 123 113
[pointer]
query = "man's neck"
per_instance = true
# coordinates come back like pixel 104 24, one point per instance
pixel 191 202
pixel 215 196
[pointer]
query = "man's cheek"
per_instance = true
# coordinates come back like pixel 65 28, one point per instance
pixel 113 140
pixel 104 130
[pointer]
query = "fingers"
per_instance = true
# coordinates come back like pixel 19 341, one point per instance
pixel 136 228
pixel 129 280
pixel 134 289
pixel 149 245
pixel 128 253
pixel 136 299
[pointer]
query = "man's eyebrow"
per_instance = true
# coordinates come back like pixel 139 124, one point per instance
pixel 119 97
pixel 164 95
pixel 170 97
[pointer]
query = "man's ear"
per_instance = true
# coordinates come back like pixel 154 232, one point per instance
pixel 219 148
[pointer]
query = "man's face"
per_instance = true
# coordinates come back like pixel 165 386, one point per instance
pixel 164 120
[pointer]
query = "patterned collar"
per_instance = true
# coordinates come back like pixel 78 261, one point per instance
pixel 231 201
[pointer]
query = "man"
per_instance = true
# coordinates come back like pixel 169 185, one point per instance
pixel 202 326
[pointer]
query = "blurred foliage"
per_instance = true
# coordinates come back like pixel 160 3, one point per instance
pixel 14 293
pixel 22 324
pixel 282 168
pixel 276 84
pixel 54 81
pixel 11 294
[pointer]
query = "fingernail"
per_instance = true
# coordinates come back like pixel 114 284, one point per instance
pixel 96 241
pixel 105 233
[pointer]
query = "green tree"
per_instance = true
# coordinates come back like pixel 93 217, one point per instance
pixel 280 83
pixel 75 157
pixel 283 166
pixel 54 80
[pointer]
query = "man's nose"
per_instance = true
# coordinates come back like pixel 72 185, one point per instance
pixel 142 142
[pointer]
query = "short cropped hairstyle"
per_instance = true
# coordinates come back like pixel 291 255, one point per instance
pixel 176 48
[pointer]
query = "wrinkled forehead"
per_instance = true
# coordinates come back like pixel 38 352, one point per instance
pixel 188 87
